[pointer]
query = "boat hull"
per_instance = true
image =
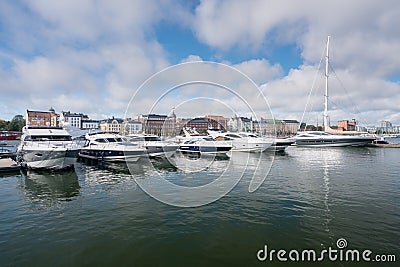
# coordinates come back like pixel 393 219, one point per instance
pixel 334 142
pixel 250 147
pixel 56 159
pixel 204 149
pixel 161 150
pixel 111 155
pixel 9 137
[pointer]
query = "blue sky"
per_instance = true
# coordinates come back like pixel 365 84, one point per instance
pixel 91 56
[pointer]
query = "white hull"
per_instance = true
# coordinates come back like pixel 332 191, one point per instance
pixel 48 159
pixel 333 144
pixel 54 164
pixel 112 155
pixel 249 147
pixel 160 149
pixel 112 158
pixel 206 145
pixel 244 142
pixel 323 139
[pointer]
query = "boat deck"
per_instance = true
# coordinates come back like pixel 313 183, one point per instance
pixel 8 165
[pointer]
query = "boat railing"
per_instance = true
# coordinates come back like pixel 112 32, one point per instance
pixel 53 144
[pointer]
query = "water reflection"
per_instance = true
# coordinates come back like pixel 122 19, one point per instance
pixel 50 186
pixel 195 162
pixel 326 194
pixel 112 173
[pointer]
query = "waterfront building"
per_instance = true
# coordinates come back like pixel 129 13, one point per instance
pixel 130 126
pixel 216 122
pixel 290 127
pixel 386 124
pixel 264 126
pixel 158 124
pixel 371 129
pixel 240 124
pixel 169 128
pixel 360 128
pixel 78 120
pixel 42 118
pixel 73 119
pixel 90 124
pixel 200 124
pixel 276 127
pixel 111 125
pixel 347 125
pixel 396 129
pixel 386 127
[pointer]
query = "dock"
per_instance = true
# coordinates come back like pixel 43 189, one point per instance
pixel 387 145
pixel 8 165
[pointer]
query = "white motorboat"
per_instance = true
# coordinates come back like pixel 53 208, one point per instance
pixel 46 148
pixel 205 145
pixel 330 137
pixel 5 150
pixel 111 147
pixel 155 147
pixel 245 142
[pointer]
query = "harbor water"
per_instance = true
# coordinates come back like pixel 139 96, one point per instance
pixel 97 215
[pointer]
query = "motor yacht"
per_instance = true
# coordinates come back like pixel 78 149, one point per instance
pixel 46 148
pixel 155 147
pixel 111 147
pixel 245 142
pixel 205 145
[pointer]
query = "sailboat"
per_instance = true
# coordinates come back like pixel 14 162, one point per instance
pixel 330 137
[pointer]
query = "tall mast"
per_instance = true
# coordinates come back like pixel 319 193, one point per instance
pixel 326 119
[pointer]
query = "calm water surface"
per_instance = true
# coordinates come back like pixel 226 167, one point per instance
pixel 99 216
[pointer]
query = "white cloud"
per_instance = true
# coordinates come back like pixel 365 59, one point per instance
pixel 350 96
pixel 90 56
pixel 363 44
pixel 260 70
pixel 192 58
pixel 362 31
pixel 94 53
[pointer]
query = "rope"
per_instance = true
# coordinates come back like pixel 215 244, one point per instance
pixel 355 110
pixel 312 89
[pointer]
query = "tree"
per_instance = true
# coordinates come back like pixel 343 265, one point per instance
pixel 16 123
pixel 3 125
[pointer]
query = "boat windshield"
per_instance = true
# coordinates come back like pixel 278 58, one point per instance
pixel 48 138
pixel 248 135
pixel 152 138
pixel 112 140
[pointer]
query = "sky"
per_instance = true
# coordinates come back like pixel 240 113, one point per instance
pixel 97 56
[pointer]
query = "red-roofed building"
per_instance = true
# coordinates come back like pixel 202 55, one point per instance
pixel 42 118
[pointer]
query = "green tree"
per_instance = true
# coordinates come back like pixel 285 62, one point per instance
pixel 16 123
pixel 3 125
